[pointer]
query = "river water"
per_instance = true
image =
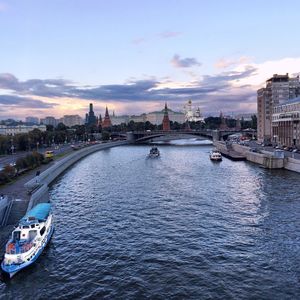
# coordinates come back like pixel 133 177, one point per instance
pixel 176 227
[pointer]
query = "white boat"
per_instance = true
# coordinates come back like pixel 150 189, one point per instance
pixel 154 152
pixel 28 240
pixel 215 155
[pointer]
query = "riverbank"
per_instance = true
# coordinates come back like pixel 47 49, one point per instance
pixel 30 189
pixel 264 158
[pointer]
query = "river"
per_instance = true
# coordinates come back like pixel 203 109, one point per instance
pixel 176 227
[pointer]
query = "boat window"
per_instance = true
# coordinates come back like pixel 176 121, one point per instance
pixel 42 230
pixel 25 227
pixel 16 236
pixel 32 225
pixel 32 234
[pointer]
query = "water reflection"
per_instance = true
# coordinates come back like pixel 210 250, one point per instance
pixel 174 227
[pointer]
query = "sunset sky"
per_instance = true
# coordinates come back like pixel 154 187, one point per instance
pixel 58 56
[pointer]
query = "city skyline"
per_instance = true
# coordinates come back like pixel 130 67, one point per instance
pixel 135 58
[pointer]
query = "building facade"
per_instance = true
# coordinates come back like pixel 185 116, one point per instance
pixel 286 123
pixel 50 121
pixel 278 90
pixel 156 117
pixel 190 114
pixel 71 120
pixel 32 120
pixel 13 130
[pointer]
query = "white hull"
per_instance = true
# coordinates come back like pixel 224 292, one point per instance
pixel 27 243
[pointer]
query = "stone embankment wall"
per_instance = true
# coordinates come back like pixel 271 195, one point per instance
pixel 4 206
pixel 264 158
pixel 292 164
pixel 38 186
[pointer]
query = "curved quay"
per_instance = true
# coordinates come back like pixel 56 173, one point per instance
pixel 38 187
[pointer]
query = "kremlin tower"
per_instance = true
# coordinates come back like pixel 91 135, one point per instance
pixel 223 125
pixel 100 120
pixel 166 120
pixel 106 122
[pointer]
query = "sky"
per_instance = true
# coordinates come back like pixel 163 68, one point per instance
pixel 133 56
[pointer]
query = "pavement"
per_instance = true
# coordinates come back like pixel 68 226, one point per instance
pixel 17 190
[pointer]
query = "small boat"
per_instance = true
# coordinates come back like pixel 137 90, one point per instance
pixel 215 155
pixel 154 152
pixel 28 239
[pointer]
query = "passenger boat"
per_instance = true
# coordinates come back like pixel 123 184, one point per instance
pixel 154 152
pixel 215 155
pixel 28 239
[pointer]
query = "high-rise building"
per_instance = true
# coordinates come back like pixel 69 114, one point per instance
pixel 90 118
pixel 106 122
pixel 286 123
pixel 50 121
pixel 32 120
pixel 278 90
pixel 72 120
pixel 166 120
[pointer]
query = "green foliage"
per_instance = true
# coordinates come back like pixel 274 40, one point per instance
pixel 212 123
pixel 254 122
pixel 4 144
pixel 105 136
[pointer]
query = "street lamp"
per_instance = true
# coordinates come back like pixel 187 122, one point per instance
pixel 12 146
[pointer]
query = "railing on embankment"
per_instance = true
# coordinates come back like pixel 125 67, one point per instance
pixel 38 186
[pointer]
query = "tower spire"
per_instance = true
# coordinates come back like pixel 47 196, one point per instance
pixel 166 120
pixel 106 122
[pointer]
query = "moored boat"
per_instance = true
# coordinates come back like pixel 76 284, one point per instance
pixel 154 152
pixel 28 239
pixel 215 155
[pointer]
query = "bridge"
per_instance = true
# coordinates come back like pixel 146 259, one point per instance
pixel 215 135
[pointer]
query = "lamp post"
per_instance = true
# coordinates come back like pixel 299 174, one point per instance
pixel 12 146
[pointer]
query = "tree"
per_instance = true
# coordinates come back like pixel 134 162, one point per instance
pixel 105 135
pixel 61 127
pixel 22 142
pixel 254 122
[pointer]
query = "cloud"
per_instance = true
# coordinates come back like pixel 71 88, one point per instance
pixel 224 63
pixel 187 62
pixel 23 102
pixel 48 87
pixel 169 34
pixel 267 69
pixel 209 90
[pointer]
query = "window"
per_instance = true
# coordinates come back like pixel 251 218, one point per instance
pixel 42 230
